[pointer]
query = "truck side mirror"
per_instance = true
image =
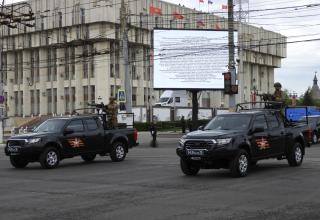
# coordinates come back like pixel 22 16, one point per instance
pixel 68 131
pixel 201 128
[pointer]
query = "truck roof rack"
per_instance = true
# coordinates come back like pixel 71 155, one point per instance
pixel 266 105
pixel 125 118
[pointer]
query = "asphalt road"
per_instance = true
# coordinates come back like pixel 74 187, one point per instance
pixel 150 185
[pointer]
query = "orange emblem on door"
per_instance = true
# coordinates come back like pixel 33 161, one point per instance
pixel 76 142
pixel 263 144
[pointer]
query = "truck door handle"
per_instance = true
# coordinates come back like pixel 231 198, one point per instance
pixel 282 133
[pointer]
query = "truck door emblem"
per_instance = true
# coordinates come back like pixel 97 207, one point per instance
pixel 263 144
pixel 76 142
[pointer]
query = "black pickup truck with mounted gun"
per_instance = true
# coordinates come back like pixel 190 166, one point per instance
pixel 240 139
pixel 67 137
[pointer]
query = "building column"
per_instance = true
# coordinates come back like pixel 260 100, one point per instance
pixel 26 68
pixel 10 92
pixel 78 77
pixel 139 73
pixel 43 65
pixel 60 81
pixel 102 73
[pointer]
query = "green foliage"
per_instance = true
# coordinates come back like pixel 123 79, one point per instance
pixel 307 99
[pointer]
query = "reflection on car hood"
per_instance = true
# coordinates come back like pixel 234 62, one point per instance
pixel 31 135
pixel 212 134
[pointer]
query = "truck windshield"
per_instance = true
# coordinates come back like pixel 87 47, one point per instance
pixel 164 99
pixel 229 122
pixel 54 125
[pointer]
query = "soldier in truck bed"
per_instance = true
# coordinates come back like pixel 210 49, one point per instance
pixel 112 113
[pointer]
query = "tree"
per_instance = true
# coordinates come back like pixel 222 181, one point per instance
pixel 307 98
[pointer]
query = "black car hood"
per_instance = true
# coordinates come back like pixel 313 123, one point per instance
pixel 213 134
pixel 31 135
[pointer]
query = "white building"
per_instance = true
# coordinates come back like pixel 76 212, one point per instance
pixel 73 55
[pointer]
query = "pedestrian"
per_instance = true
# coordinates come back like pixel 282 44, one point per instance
pixel 153 132
pixel 112 113
pixel 189 123
pixel 183 124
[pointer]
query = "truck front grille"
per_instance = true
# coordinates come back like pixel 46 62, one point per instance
pixel 15 143
pixel 199 144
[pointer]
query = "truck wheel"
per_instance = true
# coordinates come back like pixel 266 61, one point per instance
pixel 314 138
pixel 18 161
pixel 240 164
pixel 118 152
pixel 49 158
pixel 88 157
pixel 188 168
pixel 295 156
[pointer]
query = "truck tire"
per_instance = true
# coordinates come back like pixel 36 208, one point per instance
pixel 118 151
pixel 18 161
pixel 314 137
pixel 88 157
pixel 49 158
pixel 295 156
pixel 188 168
pixel 239 165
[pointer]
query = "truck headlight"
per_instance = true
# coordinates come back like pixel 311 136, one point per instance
pixel 223 141
pixel 33 140
pixel 181 142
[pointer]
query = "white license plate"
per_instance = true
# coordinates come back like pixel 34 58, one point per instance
pixel 195 152
pixel 13 149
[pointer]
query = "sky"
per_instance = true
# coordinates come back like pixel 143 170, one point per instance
pixel 303 59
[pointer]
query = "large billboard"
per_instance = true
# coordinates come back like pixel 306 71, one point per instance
pixel 190 59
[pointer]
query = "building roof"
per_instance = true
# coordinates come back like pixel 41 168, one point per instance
pixel 315 91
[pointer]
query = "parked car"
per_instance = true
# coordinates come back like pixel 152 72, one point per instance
pixel 314 125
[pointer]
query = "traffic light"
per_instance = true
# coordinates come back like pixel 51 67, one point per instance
pixel 227 82
pixel 228 87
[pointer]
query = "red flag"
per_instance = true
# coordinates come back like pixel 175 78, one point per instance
pixel 177 16
pixel 201 1
pixel 200 23
pixel 155 10
pixel 224 7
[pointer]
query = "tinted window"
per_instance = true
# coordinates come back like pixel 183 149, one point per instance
pixel 229 122
pixel 91 124
pixel 273 121
pixel 177 99
pixel 260 122
pixel 76 126
pixel 54 125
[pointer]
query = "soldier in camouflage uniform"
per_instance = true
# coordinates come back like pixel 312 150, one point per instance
pixel 278 94
pixel 112 113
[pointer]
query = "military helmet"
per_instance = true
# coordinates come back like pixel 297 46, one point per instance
pixel 277 85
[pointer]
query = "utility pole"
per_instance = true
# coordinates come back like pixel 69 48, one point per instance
pixel 231 65
pixel 125 54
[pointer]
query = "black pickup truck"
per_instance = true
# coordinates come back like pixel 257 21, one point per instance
pixel 238 140
pixel 66 137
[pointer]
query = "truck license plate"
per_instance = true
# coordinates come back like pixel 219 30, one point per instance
pixel 195 152
pixel 13 149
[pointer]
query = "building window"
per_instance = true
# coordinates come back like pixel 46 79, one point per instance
pixel 83 15
pixel 112 92
pixel 67 100
pixel 55 100
pixel 37 102
pixel 92 94
pixel 49 101
pixel 85 95
pixel 111 70
pixel 60 18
